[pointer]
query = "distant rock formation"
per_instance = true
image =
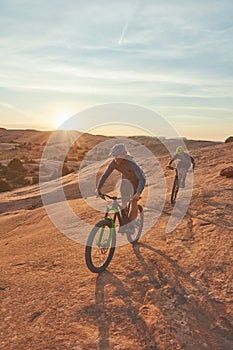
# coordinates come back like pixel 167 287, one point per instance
pixel 228 172
pixel 229 139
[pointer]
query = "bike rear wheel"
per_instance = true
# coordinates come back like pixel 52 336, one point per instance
pixel 100 246
pixel 133 237
pixel 175 189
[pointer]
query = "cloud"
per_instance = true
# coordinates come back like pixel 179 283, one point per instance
pixel 9 114
pixel 151 52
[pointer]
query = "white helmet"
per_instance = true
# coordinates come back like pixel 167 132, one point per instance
pixel 119 150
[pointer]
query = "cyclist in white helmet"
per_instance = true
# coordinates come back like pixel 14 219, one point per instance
pixel 184 161
pixel 133 179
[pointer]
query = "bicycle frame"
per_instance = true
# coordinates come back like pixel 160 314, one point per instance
pixel 116 209
pixel 101 242
pixel 101 236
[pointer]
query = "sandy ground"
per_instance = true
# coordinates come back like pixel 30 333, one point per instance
pixel 169 291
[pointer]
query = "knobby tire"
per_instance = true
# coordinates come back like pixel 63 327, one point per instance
pixel 93 251
pixel 175 189
pixel 134 237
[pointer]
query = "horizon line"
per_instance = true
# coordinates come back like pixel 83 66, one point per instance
pixel 43 129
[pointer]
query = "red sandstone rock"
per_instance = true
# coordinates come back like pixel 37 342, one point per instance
pixel 228 172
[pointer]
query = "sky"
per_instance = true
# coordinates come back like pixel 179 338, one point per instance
pixel 174 57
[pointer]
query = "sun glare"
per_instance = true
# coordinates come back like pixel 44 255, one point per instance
pixel 119 130
pixel 60 119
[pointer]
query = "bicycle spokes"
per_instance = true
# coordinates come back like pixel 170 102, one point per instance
pixel 137 225
pixel 105 237
pixel 100 246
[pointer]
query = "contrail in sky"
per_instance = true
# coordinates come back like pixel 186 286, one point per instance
pixel 125 28
pixel 20 111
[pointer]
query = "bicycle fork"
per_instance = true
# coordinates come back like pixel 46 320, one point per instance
pixel 112 228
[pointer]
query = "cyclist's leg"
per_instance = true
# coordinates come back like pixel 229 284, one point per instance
pixel 182 172
pixel 126 190
pixel 133 209
pixel 185 170
pixel 134 205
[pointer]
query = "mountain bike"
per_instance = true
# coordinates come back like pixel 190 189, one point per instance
pixel 178 180
pixel 101 242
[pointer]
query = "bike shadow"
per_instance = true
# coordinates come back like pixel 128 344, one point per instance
pixel 109 316
pixel 191 304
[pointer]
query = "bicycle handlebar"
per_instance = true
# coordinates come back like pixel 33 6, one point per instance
pixel 102 195
pixel 170 167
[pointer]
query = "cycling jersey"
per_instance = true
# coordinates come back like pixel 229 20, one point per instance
pixel 185 160
pixel 130 171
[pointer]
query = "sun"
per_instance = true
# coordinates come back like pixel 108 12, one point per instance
pixel 60 119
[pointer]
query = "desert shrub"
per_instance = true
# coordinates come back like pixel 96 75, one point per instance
pixel 4 186
pixel 3 170
pixel 35 180
pixel 31 161
pixel 16 177
pixel 20 180
pixel 12 174
pixel 16 165
pixel 65 170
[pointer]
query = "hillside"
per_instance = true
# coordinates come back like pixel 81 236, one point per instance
pixel 29 145
pixel 170 291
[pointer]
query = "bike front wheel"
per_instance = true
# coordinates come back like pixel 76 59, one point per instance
pixel 100 246
pixel 175 189
pixel 133 237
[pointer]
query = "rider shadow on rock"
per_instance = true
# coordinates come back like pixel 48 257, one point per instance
pixel 118 315
pixel 157 281
pixel 185 305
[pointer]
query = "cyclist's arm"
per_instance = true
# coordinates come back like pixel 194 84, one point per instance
pixel 193 162
pixel 105 175
pixel 141 177
pixel 137 196
pixel 172 160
